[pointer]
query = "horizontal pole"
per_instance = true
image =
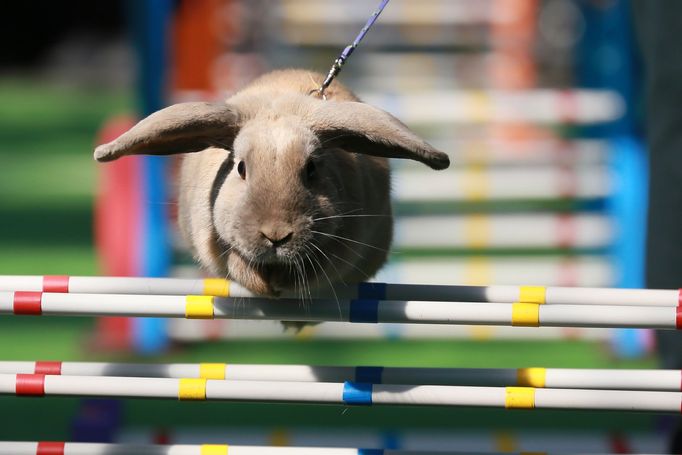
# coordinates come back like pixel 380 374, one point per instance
pixel 504 231
pixel 466 439
pixel 439 267
pixel 344 310
pixel 212 330
pixel 83 448
pixel 568 378
pixel 502 184
pixel 477 106
pixel 382 291
pixel 347 393
pixel 310 12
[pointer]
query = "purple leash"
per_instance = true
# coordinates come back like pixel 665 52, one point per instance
pixel 338 63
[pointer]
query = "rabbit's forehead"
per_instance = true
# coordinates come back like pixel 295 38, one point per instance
pixel 276 138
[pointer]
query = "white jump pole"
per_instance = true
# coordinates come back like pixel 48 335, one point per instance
pixel 466 440
pixel 551 270
pixel 476 106
pixel 83 448
pixel 503 231
pixel 382 291
pixel 496 152
pixel 359 310
pixel 568 378
pixel 347 393
pixel 211 330
pixel 501 183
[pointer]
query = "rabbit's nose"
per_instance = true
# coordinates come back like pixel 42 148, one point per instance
pixel 277 235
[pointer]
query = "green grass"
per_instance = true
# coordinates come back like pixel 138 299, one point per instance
pixel 40 180
pixel 47 176
pixel 32 112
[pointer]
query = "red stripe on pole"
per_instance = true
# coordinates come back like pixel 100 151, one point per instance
pixel 567 105
pixel 678 318
pixel 28 303
pixel 679 297
pixel 619 443
pixel 55 283
pixel 565 230
pixel 30 384
pixel 53 368
pixel 50 448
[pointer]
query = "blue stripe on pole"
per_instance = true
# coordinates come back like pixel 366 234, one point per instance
pixel 363 310
pixel 372 375
pixel 357 393
pixel 151 21
pixel 372 291
pixel 370 451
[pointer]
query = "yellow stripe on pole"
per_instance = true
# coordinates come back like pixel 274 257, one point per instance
pixel 519 398
pixel 214 449
pixel 532 294
pixel 192 389
pixel 480 106
pixel 477 271
pixel 477 231
pixel 199 307
pixel 217 287
pixel 531 377
pixel 505 442
pixel 280 438
pixel 525 315
pixel 475 182
pixel 212 370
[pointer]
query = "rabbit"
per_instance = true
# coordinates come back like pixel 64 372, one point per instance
pixel 281 190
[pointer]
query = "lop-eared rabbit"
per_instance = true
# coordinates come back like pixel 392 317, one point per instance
pixel 279 189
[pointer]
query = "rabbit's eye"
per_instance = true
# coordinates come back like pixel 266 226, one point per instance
pixel 241 168
pixel 310 170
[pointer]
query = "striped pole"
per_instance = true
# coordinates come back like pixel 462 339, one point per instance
pixel 303 13
pixel 468 440
pixel 565 378
pixel 489 151
pixel 382 291
pixel 501 183
pixel 211 330
pixel 557 230
pixel 552 270
pixel 82 448
pixel 346 393
pixel 357 311
pixel 482 106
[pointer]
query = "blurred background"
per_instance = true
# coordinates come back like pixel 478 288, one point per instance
pixel 537 102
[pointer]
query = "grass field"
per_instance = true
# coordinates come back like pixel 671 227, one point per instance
pixel 47 181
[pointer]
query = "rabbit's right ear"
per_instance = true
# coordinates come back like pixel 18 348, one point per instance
pixel 180 128
pixel 362 128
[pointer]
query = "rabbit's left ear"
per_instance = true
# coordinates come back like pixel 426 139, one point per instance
pixel 361 128
pixel 180 128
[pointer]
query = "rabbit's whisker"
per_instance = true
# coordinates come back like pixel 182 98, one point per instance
pixel 304 276
pixel 314 270
pixel 350 264
pixel 330 262
pixel 331 286
pixel 348 247
pixel 350 240
pixel 349 216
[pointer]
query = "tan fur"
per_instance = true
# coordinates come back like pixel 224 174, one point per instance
pixel 276 229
